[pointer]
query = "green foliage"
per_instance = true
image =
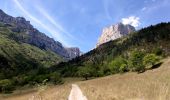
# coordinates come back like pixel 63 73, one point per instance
pixel 56 78
pixel 118 65
pixel 6 86
pixel 85 72
pixel 150 60
pixel 136 61
pixel 123 68
pixel 158 51
pixel 22 63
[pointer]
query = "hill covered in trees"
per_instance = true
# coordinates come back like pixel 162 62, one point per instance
pixel 139 51
pixel 22 63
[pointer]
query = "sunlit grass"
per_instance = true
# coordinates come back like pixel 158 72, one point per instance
pixel 150 85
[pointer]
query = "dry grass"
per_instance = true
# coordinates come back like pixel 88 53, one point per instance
pixel 151 85
pixel 43 93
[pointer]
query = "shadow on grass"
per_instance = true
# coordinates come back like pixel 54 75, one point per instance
pixel 156 66
pixel 151 68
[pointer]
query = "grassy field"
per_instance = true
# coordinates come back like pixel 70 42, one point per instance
pixel 43 93
pixel 150 85
pixel 50 92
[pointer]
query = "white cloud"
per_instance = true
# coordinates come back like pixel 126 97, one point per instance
pixel 144 8
pixel 55 33
pixel 132 20
pixel 52 21
pixel 106 9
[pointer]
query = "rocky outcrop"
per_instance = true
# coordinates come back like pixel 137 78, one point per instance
pixel 73 52
pixel 114 32
pixel 28 34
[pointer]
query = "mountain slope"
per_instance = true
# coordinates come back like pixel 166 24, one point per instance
pixel 147 40
pixel 10 41
pixel 30 35
pixel 22 63
pixel 19 58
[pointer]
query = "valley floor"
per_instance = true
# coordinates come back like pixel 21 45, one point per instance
pixel 150 85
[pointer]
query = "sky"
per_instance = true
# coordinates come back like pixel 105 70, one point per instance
pixel 79 23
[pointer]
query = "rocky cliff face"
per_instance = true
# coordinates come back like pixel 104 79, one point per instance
pixel 28 34
pixel 73 52
pixel 114 32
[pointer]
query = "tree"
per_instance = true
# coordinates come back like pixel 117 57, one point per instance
pixel 136 61
pixel 6 86
pixel 150 60
pixel 85 72
pixel 56 78
pixel 118 65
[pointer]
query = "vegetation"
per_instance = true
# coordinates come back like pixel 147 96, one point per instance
pixel 136 62
pixel 152 85
pixel 150 60
pixel 85 72
pixel 136 52
pixel 118 65
pixel 6 85
pixel 22 63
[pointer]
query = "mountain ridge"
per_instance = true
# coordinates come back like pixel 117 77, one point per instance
pixel 97 62
pixel 32 36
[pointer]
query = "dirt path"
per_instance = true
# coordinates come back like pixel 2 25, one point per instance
pixel 76 93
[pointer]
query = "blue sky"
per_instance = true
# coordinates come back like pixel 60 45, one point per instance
pixel 79 23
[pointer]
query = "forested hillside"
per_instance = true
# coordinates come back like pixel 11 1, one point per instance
pixel 22 63
pixel 138 51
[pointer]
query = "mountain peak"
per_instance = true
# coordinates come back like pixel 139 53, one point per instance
pixel 114 32
pixel 1 11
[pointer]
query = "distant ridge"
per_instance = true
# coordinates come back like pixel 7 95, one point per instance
pixel 36 38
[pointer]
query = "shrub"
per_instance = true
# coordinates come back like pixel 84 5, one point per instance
pixel 104 70
pixel 85 72
pixel 55 78
pixel 158 51
pixel 150 60
pixel 40 78
pixel 6 86
pixel 118 65
pixel 123 68
pixel 136 61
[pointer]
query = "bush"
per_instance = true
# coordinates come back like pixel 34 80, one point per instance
pixel 40 78
pixel 56 78
pixel 118 65
pixel 136 62
pixel 85 72
pixel 150 60
pixel 123 68
pixel 103 71
pixel 158 51
pixel 6 86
